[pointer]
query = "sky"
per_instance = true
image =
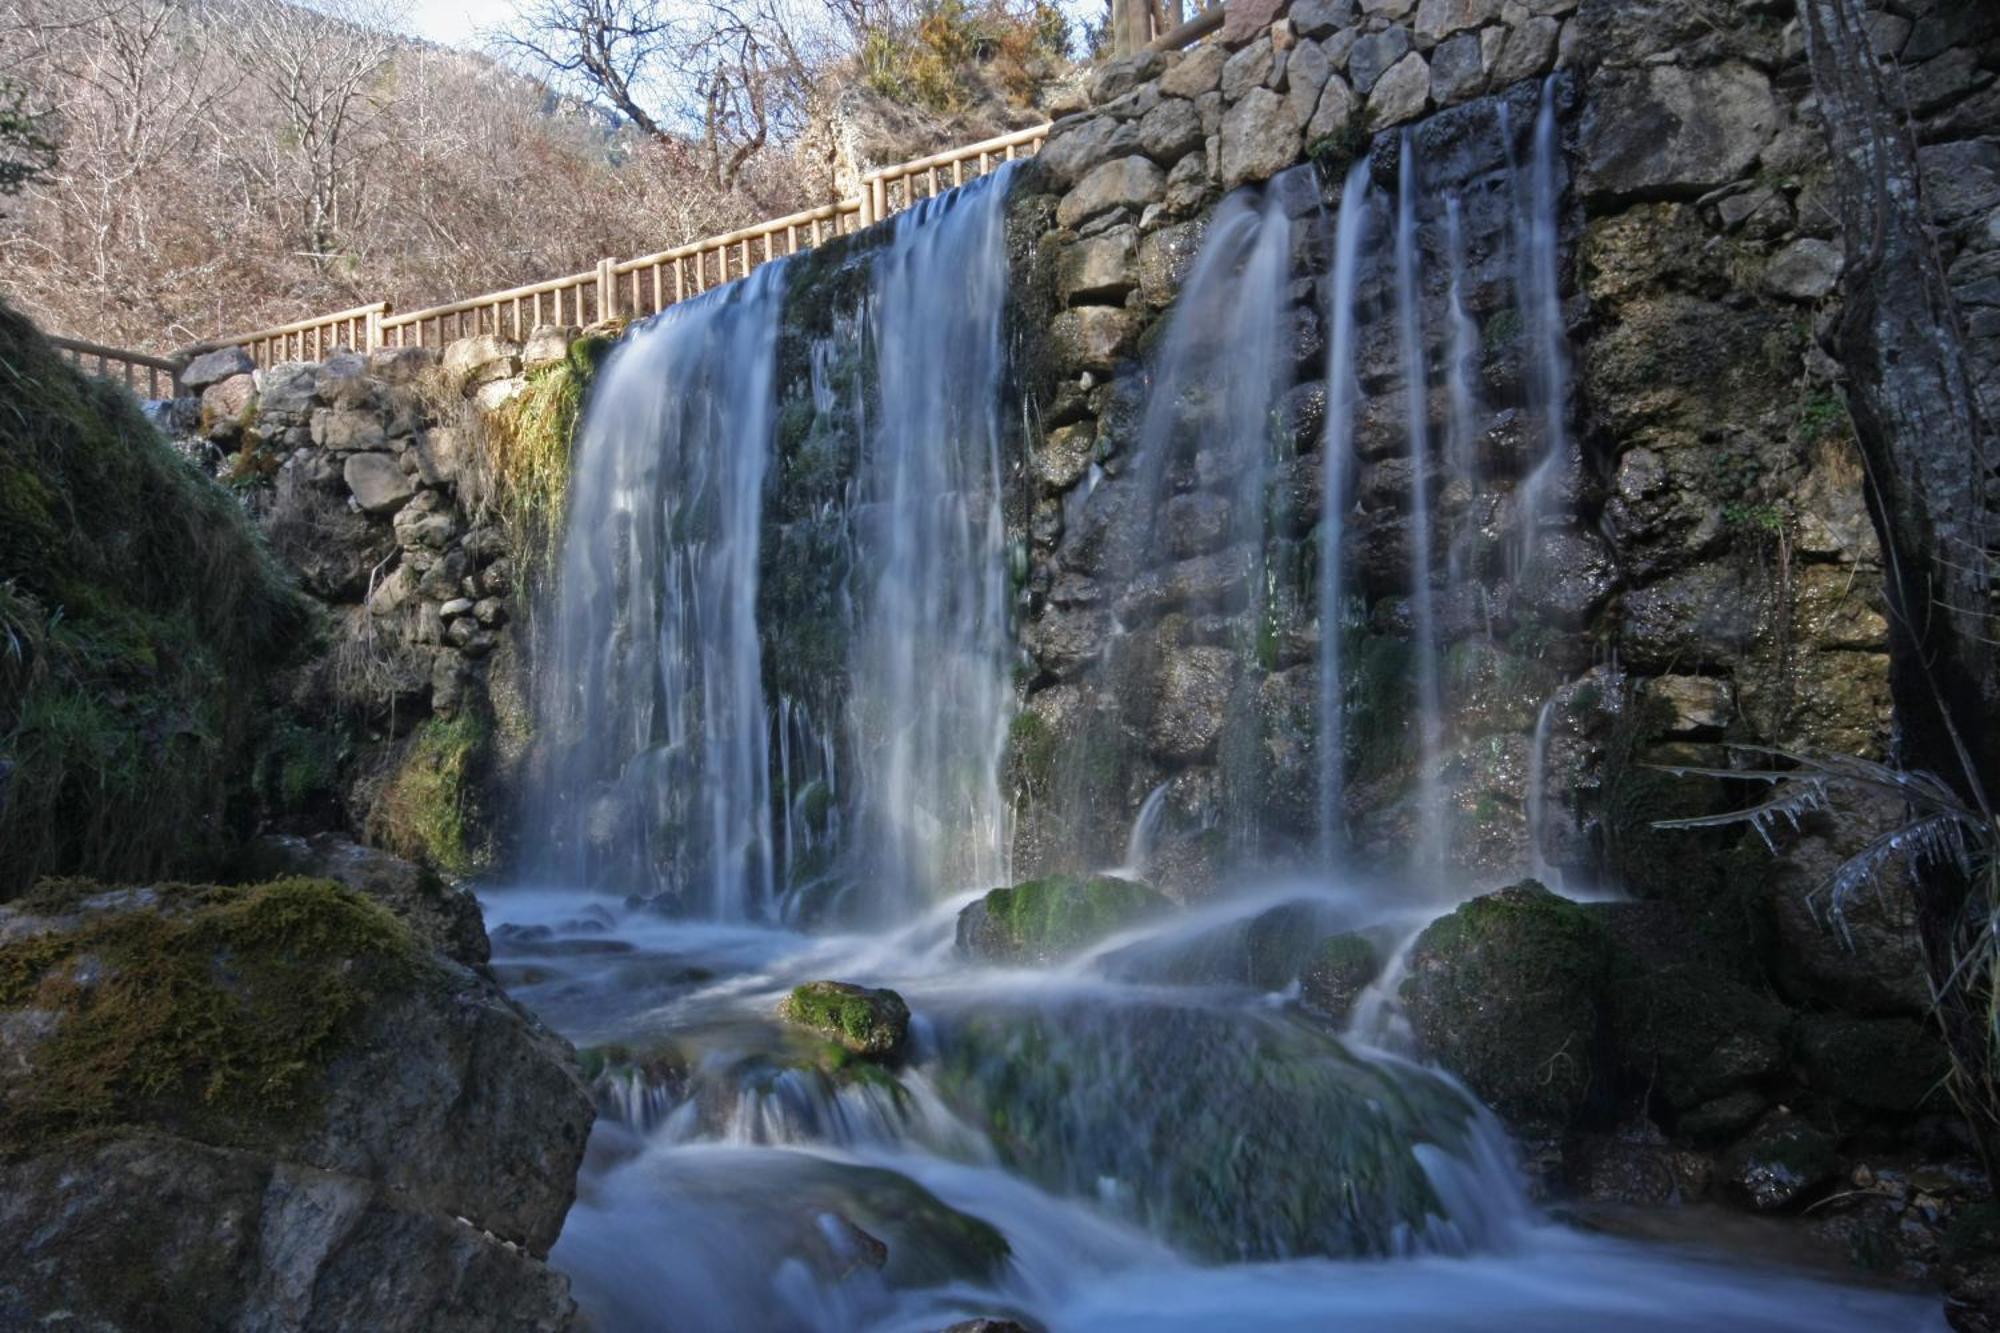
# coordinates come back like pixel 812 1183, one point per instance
pixel 453 22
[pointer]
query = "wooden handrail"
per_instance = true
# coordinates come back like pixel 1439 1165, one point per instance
pixel 615 287
pixel 155 367
pixel 1201 25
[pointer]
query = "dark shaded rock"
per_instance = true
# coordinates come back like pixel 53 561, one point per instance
pixel 1046 918
pixel 1338 970
pixel 864 1021
pixel 154 1232
pixel 214 367
pixel 1871 961
pixel 1679 1025
pixel 1504 992
pixel 1878 1064
pixel 1777 1165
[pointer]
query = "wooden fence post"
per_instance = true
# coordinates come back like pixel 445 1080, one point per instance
pixel 607 289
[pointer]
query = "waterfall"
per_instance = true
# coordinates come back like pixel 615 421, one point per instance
pixel 930 695
pixel 1538 796
pixel 1337 460
pixel 1462 359
pixel 1430 849
pixel 1542 317
pixel 657 774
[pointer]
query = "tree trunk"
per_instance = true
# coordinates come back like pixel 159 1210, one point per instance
pixel 1929 463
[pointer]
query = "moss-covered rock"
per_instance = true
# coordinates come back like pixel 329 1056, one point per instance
pixel 1046 918
pixel 1504 992
pixel 140 619
pixel 209 1012
pixel 1338 970
pixel 1235 1133
pixel 861 1020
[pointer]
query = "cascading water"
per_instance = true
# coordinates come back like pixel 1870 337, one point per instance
pixel 930 693
pixel 1540 295
pixel 652 710
pixel 1430 850
pixel 1337 452
pixel 1155 1132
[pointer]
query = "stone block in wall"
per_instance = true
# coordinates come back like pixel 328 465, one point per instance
pixel 1094 337
pixel 1243 19
pixel 1374 55
pixel 1100 269
pixel 1200 72
pixel 1247 69
pixel 1126 182
pixel 1190 703
pixel 1320 18
pixel 1527 52
pixel 400 365
pixel 1115 78
pixel 1337 105
pixel 1690 706
pixel 1073 153
pixel 1259 139
pixel 1388 9
pixel 1666 131
pixel 1439 19
pixel 344 382
pixel 288 391
pixel 1402 94
pixel 225 403
pixel 547 346
pixel 345 431
pixel 1306 72
pixel 378 483
pixel 214 367
pixel 1961 180
pixel 1458 70
pixel 480 359
pixel 1170 130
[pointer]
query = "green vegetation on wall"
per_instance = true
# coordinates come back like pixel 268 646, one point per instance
pixel 140 617
pixel 527 452
pixel 429 809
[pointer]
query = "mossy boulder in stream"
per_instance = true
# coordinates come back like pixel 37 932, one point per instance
pixel 1047 918
pixel 1338 970
pixel 861 1020
pixel 1505 993
pixel 1235 1133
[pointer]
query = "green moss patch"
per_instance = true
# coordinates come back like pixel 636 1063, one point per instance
pixel 1059 914
pixel 140 617
pixel 429 809
pixel 860 1020
pixel 210 1012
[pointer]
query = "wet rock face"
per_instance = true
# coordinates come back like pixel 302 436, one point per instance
pixel 1779 1164
pixel 1048 918
pixel 360 1126
pixel 1505 992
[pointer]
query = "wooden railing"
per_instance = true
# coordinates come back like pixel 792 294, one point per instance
pixel 116 363
pixel 634 288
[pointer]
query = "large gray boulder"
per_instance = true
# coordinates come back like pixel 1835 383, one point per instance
pixel 1667 131
pixel 273 1107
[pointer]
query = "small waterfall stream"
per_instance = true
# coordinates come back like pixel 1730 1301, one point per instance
pixel 657 774
pixel 1152 1133
pixel 930 694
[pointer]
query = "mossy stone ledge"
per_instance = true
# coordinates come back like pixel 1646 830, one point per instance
pixel 868 1022
pixel 1053 916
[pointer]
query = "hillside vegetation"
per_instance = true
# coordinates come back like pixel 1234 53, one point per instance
pixel 222 165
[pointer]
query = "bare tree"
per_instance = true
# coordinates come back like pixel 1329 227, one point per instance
pixel 730 75
pixel 324 68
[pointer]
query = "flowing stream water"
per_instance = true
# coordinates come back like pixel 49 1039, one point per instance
pixel 1153 1135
